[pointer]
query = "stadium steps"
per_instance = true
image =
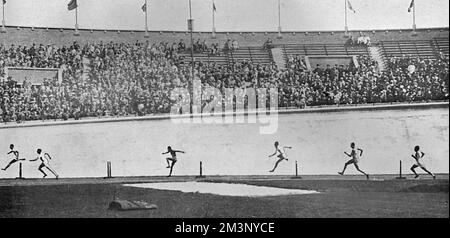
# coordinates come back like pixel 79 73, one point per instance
pixel 278 57
pixel 259 55
pixel 86 68
pixel 377 55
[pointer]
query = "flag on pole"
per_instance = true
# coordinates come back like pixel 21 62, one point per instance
pixel 214 7
pixel 144 7
pixel 350 6
pixel 411 5
pixel 4 2
pixel 72 5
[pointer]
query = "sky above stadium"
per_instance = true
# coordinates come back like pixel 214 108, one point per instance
pixel 231 15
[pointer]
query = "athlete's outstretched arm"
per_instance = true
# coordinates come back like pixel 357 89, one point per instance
pixel 276 150
pixel 423 154
pixel 360 151
pixel 349 155
pixel 287 147
pixel 165 152
pixel 10 152
pixel 34 159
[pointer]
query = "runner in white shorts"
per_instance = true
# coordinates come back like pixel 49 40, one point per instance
pixel 173 159
pixel 16 157
pixel 418 155
pixel 45 163
pixel 355 159
pixel 280 153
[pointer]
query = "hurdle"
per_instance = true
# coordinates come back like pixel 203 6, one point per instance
pixel 20 171
pixel 296 172
pixel 201 171
pixel 400 172
pixel 108 170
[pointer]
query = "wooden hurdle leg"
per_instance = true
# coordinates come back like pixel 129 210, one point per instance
pixel 20 171
pixel 400 172
pixel 201 171
pixel 296 172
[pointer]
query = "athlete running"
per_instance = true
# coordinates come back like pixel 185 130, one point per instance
pixel 16 155
pixel 45 163
pixel 355 159
pixel 418 155
pixel 172 159
pixel 280 153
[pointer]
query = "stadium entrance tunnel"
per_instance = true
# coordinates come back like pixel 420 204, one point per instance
pixel 223 189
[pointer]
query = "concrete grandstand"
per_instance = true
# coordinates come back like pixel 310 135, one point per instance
pixel 425 43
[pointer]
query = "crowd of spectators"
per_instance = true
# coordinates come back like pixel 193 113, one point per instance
pixel 120 79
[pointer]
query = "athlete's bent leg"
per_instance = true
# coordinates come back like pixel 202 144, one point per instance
pixel 168 162
pixel 276 165
pixel 414 171
pixel 42 171
pixel 345 166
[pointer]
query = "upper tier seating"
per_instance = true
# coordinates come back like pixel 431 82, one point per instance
pixel 321 49
pixel 441 45
pixel 425 49
pixel 254 54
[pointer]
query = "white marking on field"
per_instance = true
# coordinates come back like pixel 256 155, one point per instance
pixel 223 189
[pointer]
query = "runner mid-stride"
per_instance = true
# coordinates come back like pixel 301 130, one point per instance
pixel 172 159
pixel 16 157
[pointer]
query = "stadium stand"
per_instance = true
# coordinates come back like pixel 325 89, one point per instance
pixel 323 49
pixel 441 45
pixel 423 48
pixel 116 73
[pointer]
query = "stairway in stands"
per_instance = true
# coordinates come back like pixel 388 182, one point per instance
pixel 376 55
pixel 278 57
pixel 86 68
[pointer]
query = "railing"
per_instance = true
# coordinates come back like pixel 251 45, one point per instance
pixel 166 115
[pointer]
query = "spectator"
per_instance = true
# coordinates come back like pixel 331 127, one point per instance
pixel 235 45
pixel 138 78
pixel 268 44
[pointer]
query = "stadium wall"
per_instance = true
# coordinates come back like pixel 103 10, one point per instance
pixel 318 137
pixel 64 36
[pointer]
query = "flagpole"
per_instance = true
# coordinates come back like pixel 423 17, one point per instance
pixel 414 16
pixel 279 19
pixel 213 21
pixel 76 21
pixel 146 20
pixel 346 26
pixel 3 18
